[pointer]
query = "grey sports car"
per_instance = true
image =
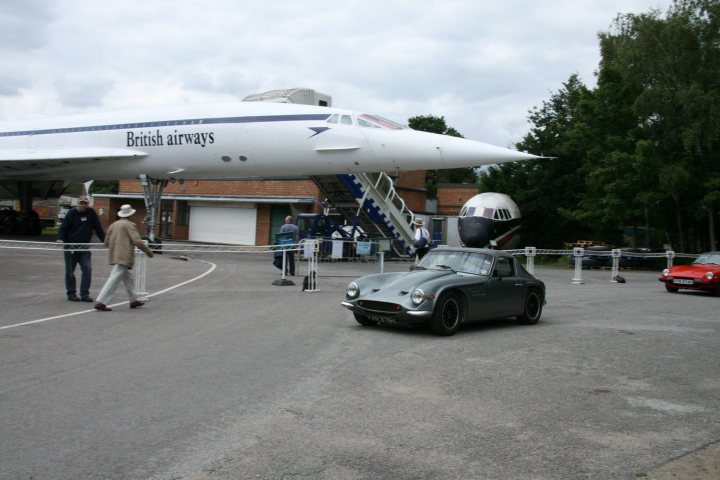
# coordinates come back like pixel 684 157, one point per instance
pixel 449 287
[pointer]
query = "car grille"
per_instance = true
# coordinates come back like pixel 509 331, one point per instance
pixel 379 306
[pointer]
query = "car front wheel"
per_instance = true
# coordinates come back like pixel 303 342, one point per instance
pixel 671 289
pixel 533 308
pixel 449 314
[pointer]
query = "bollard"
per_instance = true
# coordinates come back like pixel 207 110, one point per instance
pixel 670 255
pixel 283 282
pixel 381 259
pixel 578 253
pixel 616 253
pixel 530 253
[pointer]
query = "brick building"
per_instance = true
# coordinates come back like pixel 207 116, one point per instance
pixel 452 196
pixel 246 212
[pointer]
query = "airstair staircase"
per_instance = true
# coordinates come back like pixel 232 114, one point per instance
pixel 371 200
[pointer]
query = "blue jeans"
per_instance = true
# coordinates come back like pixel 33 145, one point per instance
pixel 72 259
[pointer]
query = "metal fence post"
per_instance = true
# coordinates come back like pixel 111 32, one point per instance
pixel 616 253
pixel 140 274
pixel 670 255
pixel 530 253
pixel 311 251
pixel 578 253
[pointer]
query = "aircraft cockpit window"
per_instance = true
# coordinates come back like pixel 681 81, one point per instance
pixel 374 121
pixel 335 118
pixel 364 123
pixel 346 120
pixel 488 212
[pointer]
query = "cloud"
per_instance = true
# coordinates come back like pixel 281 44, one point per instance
pixel 482 65
pixel 78 91
pixel 24 25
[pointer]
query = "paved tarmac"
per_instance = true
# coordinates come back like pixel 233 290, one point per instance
pixel 230 377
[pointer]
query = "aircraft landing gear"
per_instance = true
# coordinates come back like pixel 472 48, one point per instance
pixel 152 191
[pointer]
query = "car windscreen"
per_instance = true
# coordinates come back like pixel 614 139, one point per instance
pixel 708 258
pixel 466 262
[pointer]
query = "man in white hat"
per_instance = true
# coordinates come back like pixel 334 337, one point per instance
pixel 422 239
pixel 121 238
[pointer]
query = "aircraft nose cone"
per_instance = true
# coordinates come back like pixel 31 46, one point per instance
pixel 474 231
pixel 459 151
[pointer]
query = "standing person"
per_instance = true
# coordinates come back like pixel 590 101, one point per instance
pixel 77 227
pixel 122 237
pixel 422 239
pixel 290 227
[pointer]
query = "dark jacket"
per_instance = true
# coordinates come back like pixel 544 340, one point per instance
pixel 78 227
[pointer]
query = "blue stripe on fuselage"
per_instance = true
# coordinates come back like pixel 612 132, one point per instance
pixel 172 123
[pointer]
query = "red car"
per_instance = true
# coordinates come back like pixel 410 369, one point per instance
pixel 702 274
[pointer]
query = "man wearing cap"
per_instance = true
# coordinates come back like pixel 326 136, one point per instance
pixel 77 227
pixel 122 238
pixel 422 239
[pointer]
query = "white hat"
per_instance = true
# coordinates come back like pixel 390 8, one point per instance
pixel 418 221
pixel 126 211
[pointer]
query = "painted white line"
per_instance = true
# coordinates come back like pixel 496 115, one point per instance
pixel 42 320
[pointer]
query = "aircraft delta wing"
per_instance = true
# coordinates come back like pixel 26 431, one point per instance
pixel 228 141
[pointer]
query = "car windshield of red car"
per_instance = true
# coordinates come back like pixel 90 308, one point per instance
pixel 708 259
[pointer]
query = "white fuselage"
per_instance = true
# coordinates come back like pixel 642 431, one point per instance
pixel 228 141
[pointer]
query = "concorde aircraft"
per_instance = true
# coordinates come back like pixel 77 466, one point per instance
pixel 38 158
pixel 229 141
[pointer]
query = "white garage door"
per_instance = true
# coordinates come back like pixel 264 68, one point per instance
pixel 223 224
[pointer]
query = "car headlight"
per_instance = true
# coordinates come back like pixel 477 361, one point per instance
pixel 666 272
pixel 417 296
pixel 352 290
pixel 709 275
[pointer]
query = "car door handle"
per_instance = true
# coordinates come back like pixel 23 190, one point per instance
pixel 519 284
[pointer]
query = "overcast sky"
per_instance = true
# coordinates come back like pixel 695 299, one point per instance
pixel 481 64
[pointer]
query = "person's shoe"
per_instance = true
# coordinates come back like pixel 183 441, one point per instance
pixel 73 298
pixel 86 299
pixel 102 307
pixel 136 304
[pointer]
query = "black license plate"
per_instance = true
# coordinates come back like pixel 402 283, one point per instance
pixel 383 319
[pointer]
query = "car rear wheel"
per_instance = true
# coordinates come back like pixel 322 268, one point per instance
pixel 449 314
pixel 363 320
pixel 671 289
pixel 532 310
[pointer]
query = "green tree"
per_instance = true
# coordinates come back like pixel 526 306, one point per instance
pixel 104 186
pixel 547 190
pixel 642 148
pixel 675 63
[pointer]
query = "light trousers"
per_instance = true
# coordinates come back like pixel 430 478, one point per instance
pixel 119 273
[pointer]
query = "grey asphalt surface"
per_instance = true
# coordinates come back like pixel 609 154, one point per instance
pixel 230 377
